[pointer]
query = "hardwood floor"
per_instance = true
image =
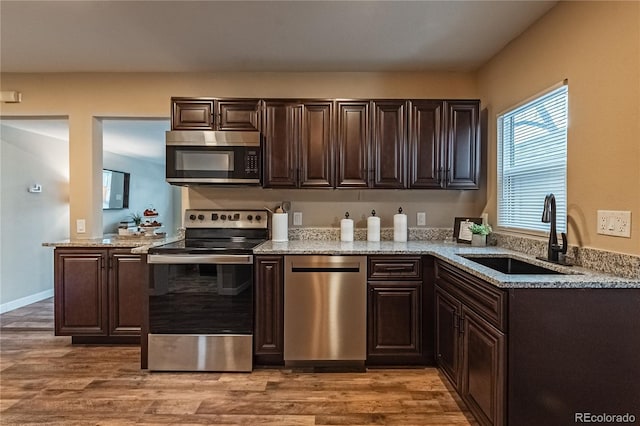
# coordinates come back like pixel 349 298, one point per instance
pixel 46 380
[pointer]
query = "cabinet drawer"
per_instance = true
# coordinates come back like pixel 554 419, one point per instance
pixel 488 301
pixel 395 267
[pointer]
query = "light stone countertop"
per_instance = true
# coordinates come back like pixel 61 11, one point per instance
pixel 139 245
pixel 573 277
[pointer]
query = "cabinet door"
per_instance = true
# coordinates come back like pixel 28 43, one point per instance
pixel 389 144
pixel 425 144
pixel 192 114
pixel 281 138
pixel 463 145
pixel 269 320
pixel 352 156
pixel 483 379
pixel 448 335
pixel 127 276
pixel 81 292
pixel 316 151
pixel 241 114
pixel 394 323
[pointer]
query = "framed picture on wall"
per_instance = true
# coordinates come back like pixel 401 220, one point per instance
pixel 461 231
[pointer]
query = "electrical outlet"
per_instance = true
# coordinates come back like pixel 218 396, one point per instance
pixel 81 226
pixel 297 218
pixel 615 223
pixel 421 218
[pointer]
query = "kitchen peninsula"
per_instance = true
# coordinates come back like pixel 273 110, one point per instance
pixel 98 288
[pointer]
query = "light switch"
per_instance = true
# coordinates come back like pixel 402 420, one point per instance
pixel 80 226
pixel 297 218
pixel 421 218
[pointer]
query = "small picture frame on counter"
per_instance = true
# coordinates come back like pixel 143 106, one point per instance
pixel 461 232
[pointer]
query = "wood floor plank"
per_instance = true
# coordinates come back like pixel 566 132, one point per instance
pixel 46 380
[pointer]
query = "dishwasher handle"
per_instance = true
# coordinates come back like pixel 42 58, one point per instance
pixel 326 268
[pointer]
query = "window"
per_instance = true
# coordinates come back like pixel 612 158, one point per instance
pixel 532 161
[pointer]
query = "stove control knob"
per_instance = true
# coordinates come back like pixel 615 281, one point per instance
pixel 223 217
pixel 214 216
pixel 192 217
pixel 249 217
pixel 258 217
pixel 201 216
pixel 236 216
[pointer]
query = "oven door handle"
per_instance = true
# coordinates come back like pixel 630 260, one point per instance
pixel 227 259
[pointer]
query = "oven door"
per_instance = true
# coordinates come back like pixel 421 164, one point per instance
pixel 208 157
pixel 201 313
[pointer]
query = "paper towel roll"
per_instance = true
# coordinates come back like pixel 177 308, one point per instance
pixel 280 227
pixel 400 227
pixel 373 227
pixel 346 230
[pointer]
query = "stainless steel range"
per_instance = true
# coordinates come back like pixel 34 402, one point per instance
pixel 201 303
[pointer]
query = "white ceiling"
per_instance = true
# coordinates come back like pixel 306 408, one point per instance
pixel 143 139
pixel 206 36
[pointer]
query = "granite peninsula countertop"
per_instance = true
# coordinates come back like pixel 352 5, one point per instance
pixel 572 277
pixel 139 245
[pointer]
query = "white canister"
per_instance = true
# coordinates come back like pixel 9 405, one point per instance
pixel 400 227
pixel 346 228
pixel 280 227
pixel 373 227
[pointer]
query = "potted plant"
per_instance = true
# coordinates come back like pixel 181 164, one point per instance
pixel 479 234
pixel 136 218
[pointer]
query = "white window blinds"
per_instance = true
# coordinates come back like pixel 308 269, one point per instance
pixel 532 161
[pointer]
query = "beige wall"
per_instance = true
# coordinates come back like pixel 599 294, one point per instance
pixel 83 97
pixel 596 46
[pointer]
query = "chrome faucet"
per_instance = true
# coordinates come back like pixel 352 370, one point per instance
pixel 549 216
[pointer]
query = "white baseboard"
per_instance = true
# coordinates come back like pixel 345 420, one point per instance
pixel 24 301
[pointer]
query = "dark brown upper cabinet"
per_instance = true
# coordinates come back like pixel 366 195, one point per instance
pixel 315 155
pixel 352 141
pixel 352 153
pixel 463 145
pixel 235 114
pixel 388 144
pixel 215 114
pixel 298 140
pixel 444 147
pixel 191 114
pixel 371 144
pixel 425 146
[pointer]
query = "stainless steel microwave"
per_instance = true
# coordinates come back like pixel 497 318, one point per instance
pixel 197 157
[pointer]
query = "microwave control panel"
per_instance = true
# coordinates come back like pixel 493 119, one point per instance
pixel 252 162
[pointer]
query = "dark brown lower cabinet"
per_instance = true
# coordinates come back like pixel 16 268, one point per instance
pixel 470 348
pixel 399 314
pixel 448 336
pixel 126 273
pixel 483 368
pixel 573 351
pixel 98 294
pixel 268 336
pixel 394 323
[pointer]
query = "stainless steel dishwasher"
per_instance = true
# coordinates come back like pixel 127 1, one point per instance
pixel 325 310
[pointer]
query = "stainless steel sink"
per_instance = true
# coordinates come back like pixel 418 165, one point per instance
pixel 509 265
